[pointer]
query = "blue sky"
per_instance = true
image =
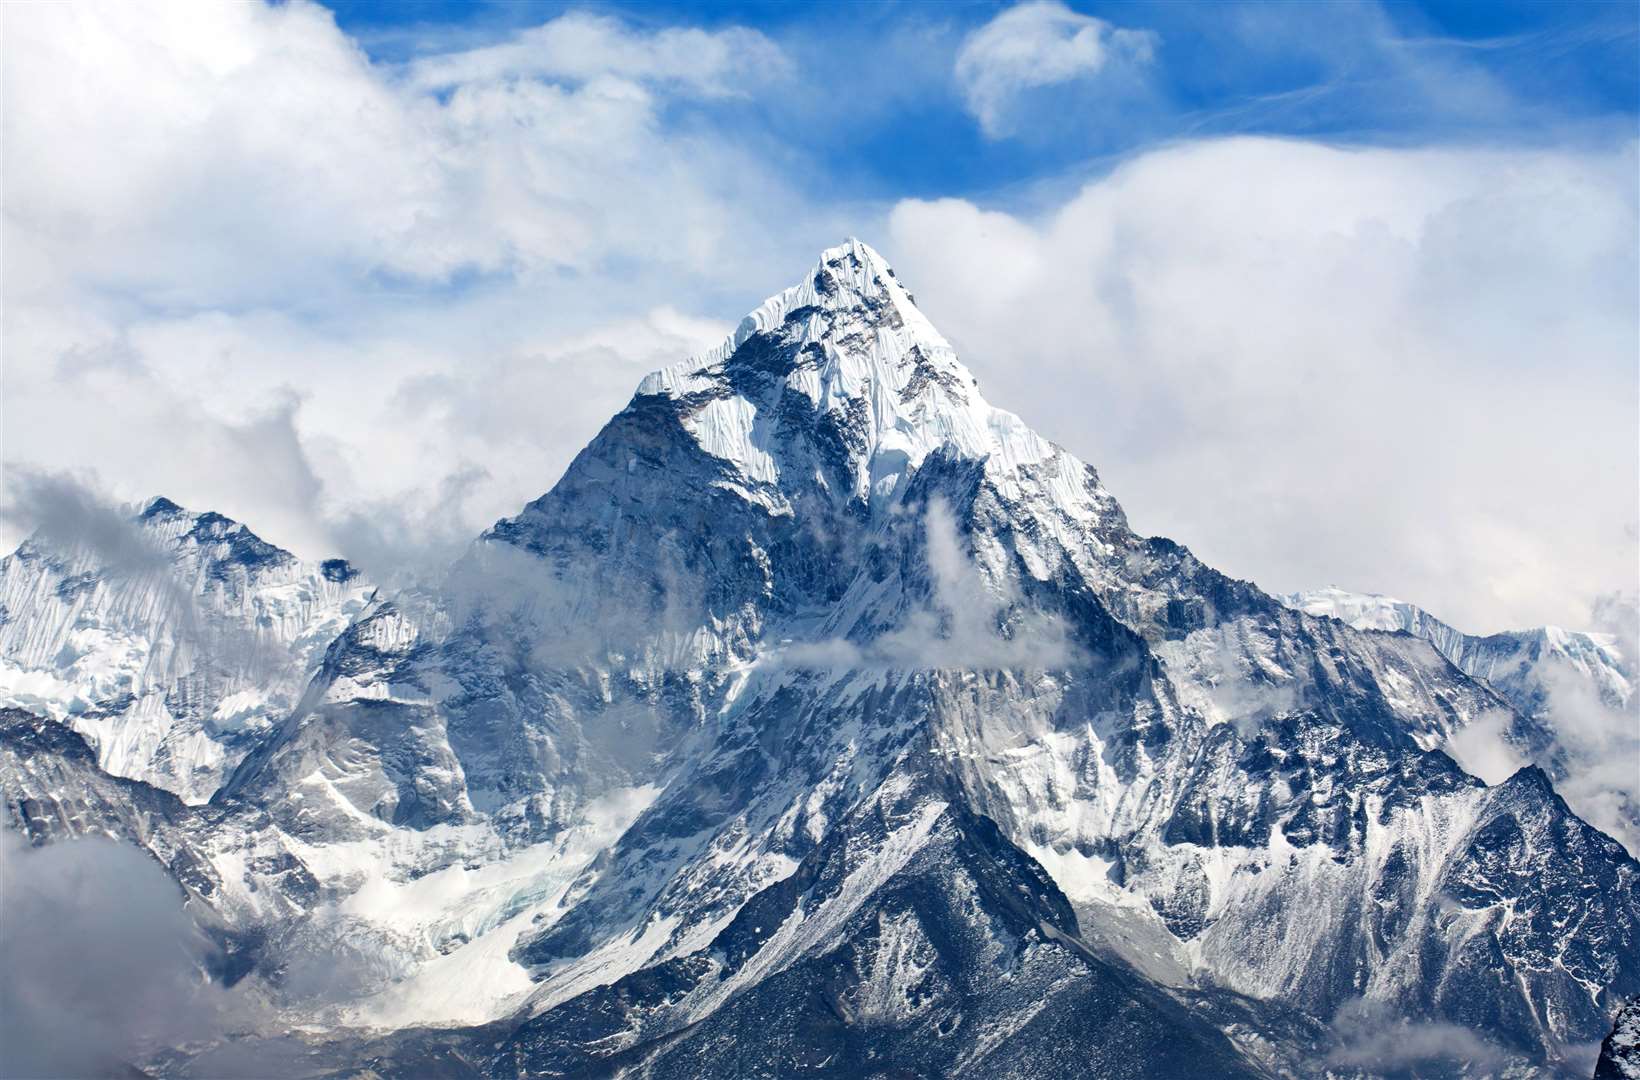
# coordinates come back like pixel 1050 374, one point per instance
pixel 1339 71
pixel 1334 293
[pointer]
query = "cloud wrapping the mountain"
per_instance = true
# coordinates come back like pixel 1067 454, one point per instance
pixel 1481 748
pixel 65 512
pixel 1602 748
pixel 962 626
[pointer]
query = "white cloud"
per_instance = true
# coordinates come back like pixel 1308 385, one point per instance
pixel 1409 370
pixel 1482 749
pixel 105 962
pixel 1601 744
pixel 1368 1035
pixel 1034 45
pixel 249 268
pixel 248 153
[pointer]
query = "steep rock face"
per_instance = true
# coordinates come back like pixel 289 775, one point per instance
pixel 821 690
pixel 54 791
pixel 172 647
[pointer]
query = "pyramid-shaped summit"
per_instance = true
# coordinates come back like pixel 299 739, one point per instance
pixel 849 344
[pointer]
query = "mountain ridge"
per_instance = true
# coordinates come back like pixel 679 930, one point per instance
pixel 1575 688
pixel 171 640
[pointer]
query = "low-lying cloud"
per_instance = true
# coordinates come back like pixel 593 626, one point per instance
pixel 102 962
pixel 1368 1036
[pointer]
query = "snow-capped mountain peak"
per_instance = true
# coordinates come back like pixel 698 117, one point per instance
pixel 850 342
pixel 1596 657
pixel 1364 611
pixel 1576 688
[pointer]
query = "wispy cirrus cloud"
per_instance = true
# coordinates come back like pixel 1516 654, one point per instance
pixel 583 46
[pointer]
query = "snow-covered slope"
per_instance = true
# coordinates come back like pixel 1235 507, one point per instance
pixel 173 646
pixel 1576 688
pixel 824 717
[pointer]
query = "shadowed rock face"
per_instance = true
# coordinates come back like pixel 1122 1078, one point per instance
pixel 930 946
pixel 825 719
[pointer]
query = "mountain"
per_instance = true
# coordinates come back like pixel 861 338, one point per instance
pixel 825 719
pixel 172 642
pixel 1576 688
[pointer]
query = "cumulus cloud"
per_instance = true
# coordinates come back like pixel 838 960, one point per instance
pixel 230 155
pixel 1039 44
pixel 1318 363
